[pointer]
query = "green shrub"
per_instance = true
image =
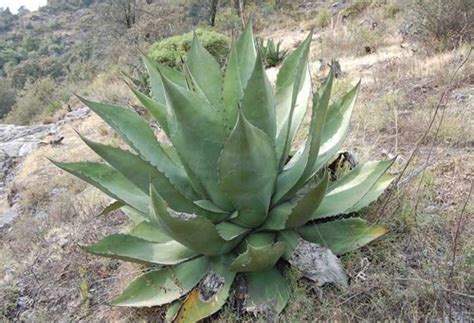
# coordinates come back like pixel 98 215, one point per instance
pixel 323 18
pixel 171 50
pixel 356 8
pixel 32 102
pixel 442 24
pixel 390 11
pixel 7 97
pixel 228 20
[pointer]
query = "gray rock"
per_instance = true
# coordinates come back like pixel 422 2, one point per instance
pixel 19 141
pixel 318 264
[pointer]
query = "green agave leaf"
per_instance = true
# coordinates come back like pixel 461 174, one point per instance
pixel 206 73
pixel 277 217
pixel 109 181
pixel 115 205
pixel 239 69
pixel 135 216
pixel 267 291
pixel 148 231
pixel 299 210
pixel 163 286
pixel 173 310
pixel 291 239
pixel 336 127
pixel 154 70
pixel 300 168
pixel 208 205
pixel 195 232
pixel 293 90
pixel 130 248
pixel 308 203
pixel 141 173
pixel 374 193
pixel 258 104
pixel 198 306
pixel 318 121
pixel 229 231
pixel 258 258
pixel 247 172
pixel 342 236
pixel 155 108
pixel 351 188
pixel 198 136
pixel 139 136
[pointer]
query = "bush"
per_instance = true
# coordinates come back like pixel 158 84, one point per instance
pixel 7 97
pixel 323 19
pixel 447 23
pixel 33 101
pixel 228 20
pixel 355 8
pixel 171 50
pixel 390 11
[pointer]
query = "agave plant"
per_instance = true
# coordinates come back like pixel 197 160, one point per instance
pixel 229 197
pixel 271 53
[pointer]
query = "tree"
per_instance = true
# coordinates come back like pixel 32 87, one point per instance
pixel 213 12
pixel 123 11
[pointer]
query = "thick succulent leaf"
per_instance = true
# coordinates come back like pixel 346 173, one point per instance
pixel 300 168
pixel 135 216
pixel 140 137
pixel 208 205
pixel 342 236
pixel 141 173
pixel 193 231
pixel 155 108
pixel 291 239
pixel 198 135
pixel 109 181
pixel 239 68
pixel 115 205
pixel 318 120
pixel 148 231
pixel 298 210
pixel 258 103
pixel 199 304
pixel 247 52
pixel 247 172
pixel 154 70
pixel 206 73
pixel 163 286
pixel 173 310
pixel 336 127
pixel 293 90
pixel 308 203
pixel 374 193
pixel 268 292
pixel 229 231
pixel 258 258
pixel 351 188
pixel 130 248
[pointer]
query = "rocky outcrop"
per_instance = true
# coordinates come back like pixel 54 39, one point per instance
pixel 17 142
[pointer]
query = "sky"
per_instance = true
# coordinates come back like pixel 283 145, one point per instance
pixel 15 4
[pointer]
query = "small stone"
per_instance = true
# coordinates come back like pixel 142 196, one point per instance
pixel 318 263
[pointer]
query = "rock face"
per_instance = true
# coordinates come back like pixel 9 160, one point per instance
pixel 19 141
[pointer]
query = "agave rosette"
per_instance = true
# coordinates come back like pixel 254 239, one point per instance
pixel 227 198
